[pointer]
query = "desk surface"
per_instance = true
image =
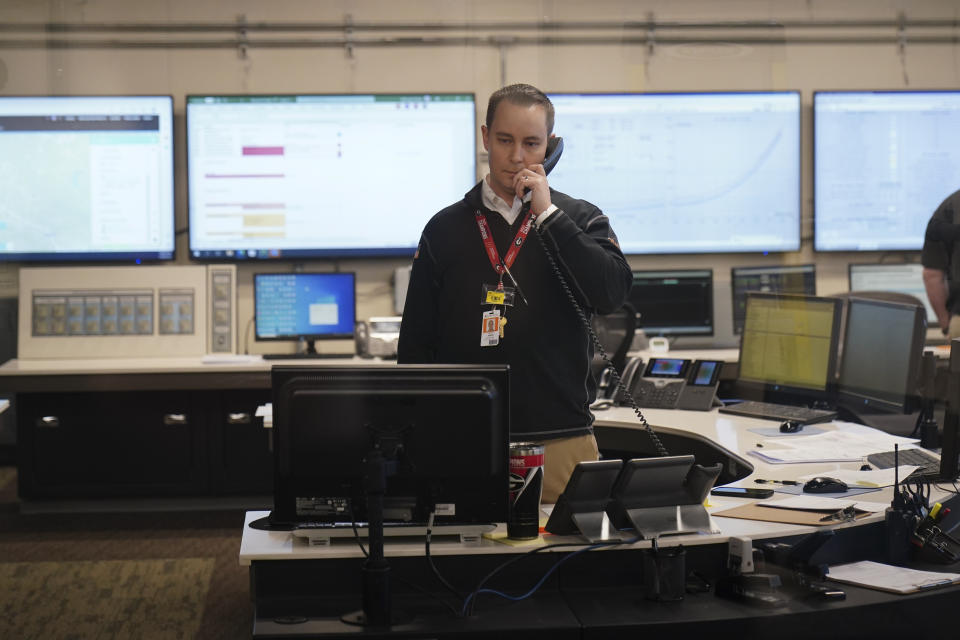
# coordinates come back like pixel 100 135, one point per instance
pixel 242 363
pixel 731 433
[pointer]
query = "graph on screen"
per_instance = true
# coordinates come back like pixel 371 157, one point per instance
pixel 686 173
pixel 883 162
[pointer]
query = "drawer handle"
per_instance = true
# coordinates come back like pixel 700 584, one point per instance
pixel 238 418
pixel 175 419
pixel 48 421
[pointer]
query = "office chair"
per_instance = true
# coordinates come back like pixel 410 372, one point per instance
pixel 615 332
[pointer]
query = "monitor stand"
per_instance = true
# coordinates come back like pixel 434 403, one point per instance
pixel 308 353
pixel 377 611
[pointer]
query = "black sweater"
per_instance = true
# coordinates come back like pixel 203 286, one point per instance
pixel 545 342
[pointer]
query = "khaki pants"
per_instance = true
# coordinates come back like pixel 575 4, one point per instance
pixel 954 331
pixel 559 459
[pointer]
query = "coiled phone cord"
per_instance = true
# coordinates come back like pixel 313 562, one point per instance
pixel 596 343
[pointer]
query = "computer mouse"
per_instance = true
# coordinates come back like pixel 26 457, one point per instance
pixel 790 427
pixel 823 484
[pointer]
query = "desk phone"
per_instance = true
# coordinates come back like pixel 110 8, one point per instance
pixel 671 383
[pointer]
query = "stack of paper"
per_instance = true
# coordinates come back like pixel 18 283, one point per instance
pixel 889 578
pixel 830 446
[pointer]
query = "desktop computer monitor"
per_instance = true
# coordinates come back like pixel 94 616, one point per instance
pixel 678 302
pixel 304 306
pixel 882 347
pixel 788 352
pixel 800 278
pixel 444 430
pixel 896 278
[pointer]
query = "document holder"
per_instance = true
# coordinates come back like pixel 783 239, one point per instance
pixel 582 505
pixel 659 496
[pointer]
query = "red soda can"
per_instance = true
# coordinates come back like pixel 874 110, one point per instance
pixel 526 485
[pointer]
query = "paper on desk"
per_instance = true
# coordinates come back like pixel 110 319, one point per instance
pixel 4 405
pixel 821 503
pixel 873 478
pixel 830 446
pixel 889 578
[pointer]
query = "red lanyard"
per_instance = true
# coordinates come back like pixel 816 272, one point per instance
pixel 491 248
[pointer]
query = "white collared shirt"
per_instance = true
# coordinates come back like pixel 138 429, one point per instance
pixel 509 212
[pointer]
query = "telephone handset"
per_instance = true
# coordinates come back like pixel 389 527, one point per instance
pixel 554 151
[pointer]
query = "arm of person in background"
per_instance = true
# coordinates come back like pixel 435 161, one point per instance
pixel 935 282
pixel 418 330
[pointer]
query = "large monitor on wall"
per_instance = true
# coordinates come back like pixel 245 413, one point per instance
pixel 444 428
pixel 882 347
pixel 301 176
pixel 788 351
pixel 304 306
pixel 883 162
pixel 86 178
pixel 678 302
pixel 799 278
pixel 897 278
pixel 686 172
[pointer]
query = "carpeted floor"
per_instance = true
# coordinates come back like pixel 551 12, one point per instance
pixel 143 575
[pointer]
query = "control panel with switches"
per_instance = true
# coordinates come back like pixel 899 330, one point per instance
pixel 111 312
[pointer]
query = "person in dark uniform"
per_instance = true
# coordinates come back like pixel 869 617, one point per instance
pixel 941 264
pixel 483 291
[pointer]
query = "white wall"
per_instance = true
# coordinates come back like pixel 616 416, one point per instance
pixel 714 64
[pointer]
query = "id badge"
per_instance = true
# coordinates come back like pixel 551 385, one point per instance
pixel 490 331
pixel 492 294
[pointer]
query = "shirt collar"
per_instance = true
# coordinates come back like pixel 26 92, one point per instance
pixel 495 203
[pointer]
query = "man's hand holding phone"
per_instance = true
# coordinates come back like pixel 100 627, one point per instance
pixel 533 178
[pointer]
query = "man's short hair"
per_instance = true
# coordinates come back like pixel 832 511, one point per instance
pixel 522 95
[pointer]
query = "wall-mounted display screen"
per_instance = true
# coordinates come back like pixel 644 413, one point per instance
pixel 86 178
pixel 300 176
pixel 686 172
pixel 883 162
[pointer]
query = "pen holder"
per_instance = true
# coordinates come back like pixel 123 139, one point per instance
pixel 664 574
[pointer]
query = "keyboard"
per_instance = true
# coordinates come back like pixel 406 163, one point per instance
pixel 306 356
pixel 781 412
pixel 928 463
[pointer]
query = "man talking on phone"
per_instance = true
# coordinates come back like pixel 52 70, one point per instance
pixel 482 290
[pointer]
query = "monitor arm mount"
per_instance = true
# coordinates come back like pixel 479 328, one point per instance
pixel 381 463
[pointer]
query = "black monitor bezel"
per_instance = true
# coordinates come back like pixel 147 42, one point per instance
pixel 309 337
pixel 861 400
pixel 788 394
pixel 668 331
pixel 268 255
pixel 110 257
pixel 782 268
pixel 489 500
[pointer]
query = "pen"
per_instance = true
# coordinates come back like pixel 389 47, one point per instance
pixel 932 585
pixel 762 481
